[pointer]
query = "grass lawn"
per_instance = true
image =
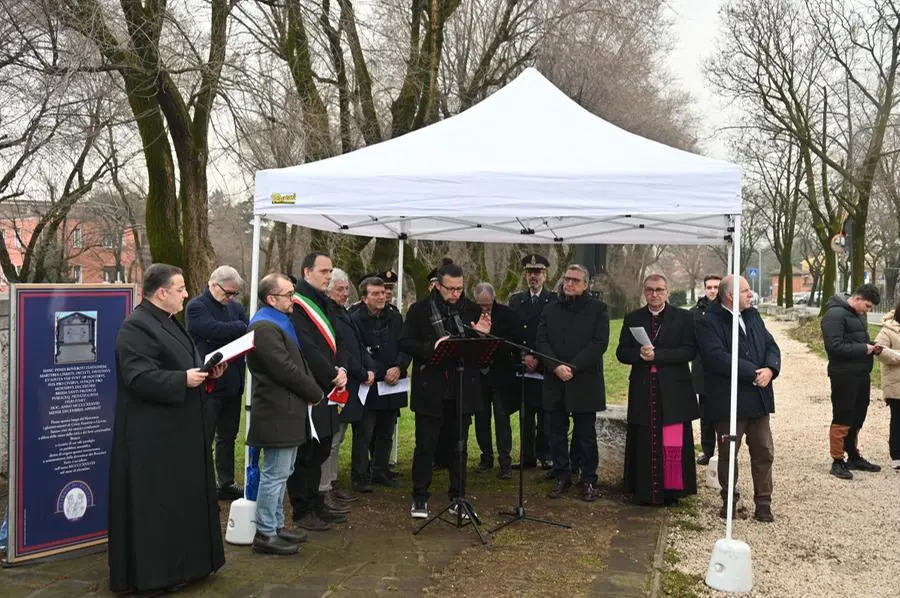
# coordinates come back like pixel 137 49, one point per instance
pixel 616 376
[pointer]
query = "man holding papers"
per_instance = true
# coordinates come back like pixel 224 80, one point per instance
pixel 313 319
pixel 380 328
pixel 658 342
pixel 283 387
pixel 215 318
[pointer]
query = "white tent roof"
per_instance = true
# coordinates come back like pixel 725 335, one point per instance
pixel 526 165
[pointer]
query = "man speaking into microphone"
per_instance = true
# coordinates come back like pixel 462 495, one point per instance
pixel 444 313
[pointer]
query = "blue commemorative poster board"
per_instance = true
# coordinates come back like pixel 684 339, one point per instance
pixel 62 395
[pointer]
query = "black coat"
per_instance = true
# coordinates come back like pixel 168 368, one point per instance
pixel 577 333
pixel 163 517
pixel 530 315
pixel 358 363
pixel 432 385
pixel 212 324
pixel 674 347
pixel 319 355
pixel 501 376
pixel 282 389
pixel 714 343
pixel 698 311
pixel 846 337
pixel 381 339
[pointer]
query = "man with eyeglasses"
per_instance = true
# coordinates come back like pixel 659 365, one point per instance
pixel 213 319
pixel 574 334
pixel 445 312
pixel 707 426
pixel 659 446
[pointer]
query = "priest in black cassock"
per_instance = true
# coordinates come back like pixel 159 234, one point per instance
pixel 659 448
pixel 163 518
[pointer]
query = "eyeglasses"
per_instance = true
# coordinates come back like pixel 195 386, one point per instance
pixel 571 280
pixel 227 292
pixel 452 289
pixel 657 291
pixel 287 294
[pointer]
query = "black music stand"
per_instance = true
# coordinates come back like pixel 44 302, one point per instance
pixel 518 512
pixel 472 353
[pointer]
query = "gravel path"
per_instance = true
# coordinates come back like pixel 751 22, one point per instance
pixel 830 537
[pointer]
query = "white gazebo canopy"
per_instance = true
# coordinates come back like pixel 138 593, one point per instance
pixel 526 165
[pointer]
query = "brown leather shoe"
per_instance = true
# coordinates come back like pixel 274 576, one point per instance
pixel 561 488
pixel 764 514
pixel 335 505
pixel 274 544
pixel 342 493
pixel 292 535
pixel 589 493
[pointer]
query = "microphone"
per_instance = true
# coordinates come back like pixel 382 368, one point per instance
pixel 212 362
pixel 437 323
pixel 459 325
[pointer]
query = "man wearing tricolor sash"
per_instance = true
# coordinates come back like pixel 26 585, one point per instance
pixel 312 319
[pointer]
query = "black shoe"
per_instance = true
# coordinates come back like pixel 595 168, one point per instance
pixel 703 459
pixel 505 473
pixel 861 464
pixel 230 492
pixel 485 465
pixel 562 486
pixel 273 545
pixel 546 463
pixel 589 492
pixel 362 487
pixel 764 514
pixel 839 470
pixel 313 523
pixel 335 506
pixel 383 480
pixel 740 511
pixel 330 516
pixel 342 494
pixel 294 536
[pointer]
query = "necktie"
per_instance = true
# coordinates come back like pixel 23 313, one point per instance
pixel 534 299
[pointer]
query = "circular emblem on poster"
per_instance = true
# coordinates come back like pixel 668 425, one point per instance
pixel 74 500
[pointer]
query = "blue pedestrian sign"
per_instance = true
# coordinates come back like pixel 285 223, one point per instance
pixel 752 272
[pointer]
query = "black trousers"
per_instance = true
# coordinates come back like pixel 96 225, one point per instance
pixel 492 399
pixel 375 432
pixel 584 436
pixel 534 431
pixel 428 446
pixel 894 434
pixel 223 419
pixel 707 429
pixel 303 485
pixel 850 403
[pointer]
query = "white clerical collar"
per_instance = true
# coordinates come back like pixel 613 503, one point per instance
pixel 656 313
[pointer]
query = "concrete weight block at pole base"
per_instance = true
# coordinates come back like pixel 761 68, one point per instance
pixel 730 567
pixel 241 522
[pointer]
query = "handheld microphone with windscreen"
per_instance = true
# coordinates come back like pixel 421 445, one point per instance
pixel 212 362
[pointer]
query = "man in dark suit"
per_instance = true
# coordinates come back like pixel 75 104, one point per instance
pixel 759 362
pixel 659 446
pixel 163 517
pixel 528 306
pixel 445 312
pixel 574 334
pixel 499 387
pixel 313 318
pixel 707 427
pixel 215 318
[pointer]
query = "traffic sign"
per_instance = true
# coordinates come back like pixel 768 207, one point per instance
pixel 752 272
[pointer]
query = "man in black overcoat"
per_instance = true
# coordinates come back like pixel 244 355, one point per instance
pixel 163 517
pixel 659 446
pixel 759 362
pixel 528 306
pixel 445 312
pixel 313 318
pixel 380 329
pixel 574 333
pixel 707 427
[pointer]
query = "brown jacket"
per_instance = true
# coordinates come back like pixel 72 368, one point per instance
pixel 889 338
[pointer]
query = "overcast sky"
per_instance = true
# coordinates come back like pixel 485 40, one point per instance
pixel 696 26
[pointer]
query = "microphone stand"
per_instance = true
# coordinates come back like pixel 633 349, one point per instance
pixel 518 512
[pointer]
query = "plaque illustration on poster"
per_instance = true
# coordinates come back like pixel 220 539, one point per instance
pixel 76 334
pixel 62 404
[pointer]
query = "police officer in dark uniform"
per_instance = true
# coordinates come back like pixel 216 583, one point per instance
pixel 528 306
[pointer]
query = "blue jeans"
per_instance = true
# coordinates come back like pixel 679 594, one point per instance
pixel 277 466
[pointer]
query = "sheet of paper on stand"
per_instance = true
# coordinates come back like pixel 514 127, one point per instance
pixel 235 348
pixel 363 393
pixel 534 375
pixel 640 335
pixel 384 388
pixel 312 426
